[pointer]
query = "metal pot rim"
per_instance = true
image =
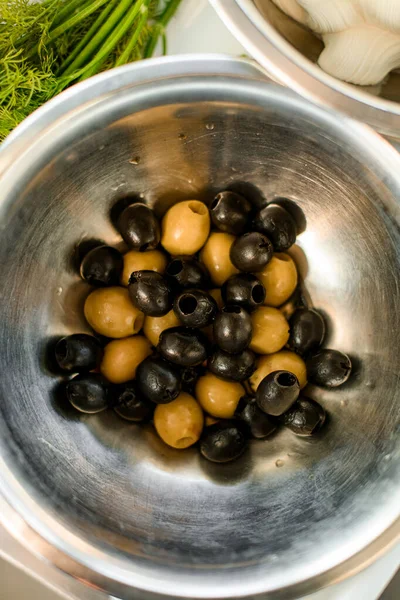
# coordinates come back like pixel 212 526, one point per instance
pixel 291 68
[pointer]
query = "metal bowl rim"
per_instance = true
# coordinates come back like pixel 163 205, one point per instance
pixel 16 514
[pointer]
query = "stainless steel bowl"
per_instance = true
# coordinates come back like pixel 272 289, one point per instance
pixel 289 53
pixel 105 500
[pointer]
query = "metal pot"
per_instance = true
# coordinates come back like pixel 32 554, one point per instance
pixel 289 52
pixel 105 500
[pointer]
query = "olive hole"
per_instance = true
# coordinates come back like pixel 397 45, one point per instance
pixel 286 379
pixel 187 304
pixel 263 245
pixel 175 267
pixel 257 293
pixel 127 397
pixel 232 309
pixel 133 278
pixel 215 202
pixel 198 208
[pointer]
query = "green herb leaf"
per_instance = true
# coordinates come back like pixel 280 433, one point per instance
pixel 46 46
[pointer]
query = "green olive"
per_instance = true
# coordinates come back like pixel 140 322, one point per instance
pixel 279 278
pixel 270 330
pixel 180 422
pixel 280 361
pixel 110 312
pixel 122 357
pixel 154 326
pixel 215 256
pixel 217 397
pixel 152 260
pixel 185 227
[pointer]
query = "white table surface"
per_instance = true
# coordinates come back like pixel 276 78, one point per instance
pixel 196 28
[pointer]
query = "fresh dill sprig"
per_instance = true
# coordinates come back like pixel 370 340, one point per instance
pixel 47 46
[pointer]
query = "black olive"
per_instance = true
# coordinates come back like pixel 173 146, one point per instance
pixel 139 227
pixel 183 346
pixel 187 272
pixel 230 212
pixel 102 266
pixel 329 368
pixel 150 293
pixel 232 367
pixel 259 424
pixel 195 308
pixel 233 329
pixel 158 380
pixel 88 393
pixel 251 252
pixel 78 353
pixel 278 225
pixel 130 405
pixel 277 392
pixel 305 417
pixel 224 441
pixel 243 289
pixel 307 331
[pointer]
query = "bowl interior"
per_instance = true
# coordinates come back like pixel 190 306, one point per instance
pixel 116 487
pixel 311 46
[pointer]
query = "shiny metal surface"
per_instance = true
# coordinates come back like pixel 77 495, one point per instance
pixel 105 500
pixel 289 52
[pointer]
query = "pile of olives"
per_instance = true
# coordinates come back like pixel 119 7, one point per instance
pixel 202 328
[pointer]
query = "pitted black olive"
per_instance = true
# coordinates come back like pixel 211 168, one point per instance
pixel 223 442
pixel 150 293
pixel 158 380
pixel 195 308
pixel 245 290
pixel 232 367
pixel 102 266
pixel 259 424
pixel 277 392
pixel 233 329
pixel 251 252
pixel 183 346
pixel 230 212
pixel 329 368
pixel 278 225
pixel 305 417
pixel 88 392
pixel 78 353
pixel 187 272
pixel 139 227
pixel 130 404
